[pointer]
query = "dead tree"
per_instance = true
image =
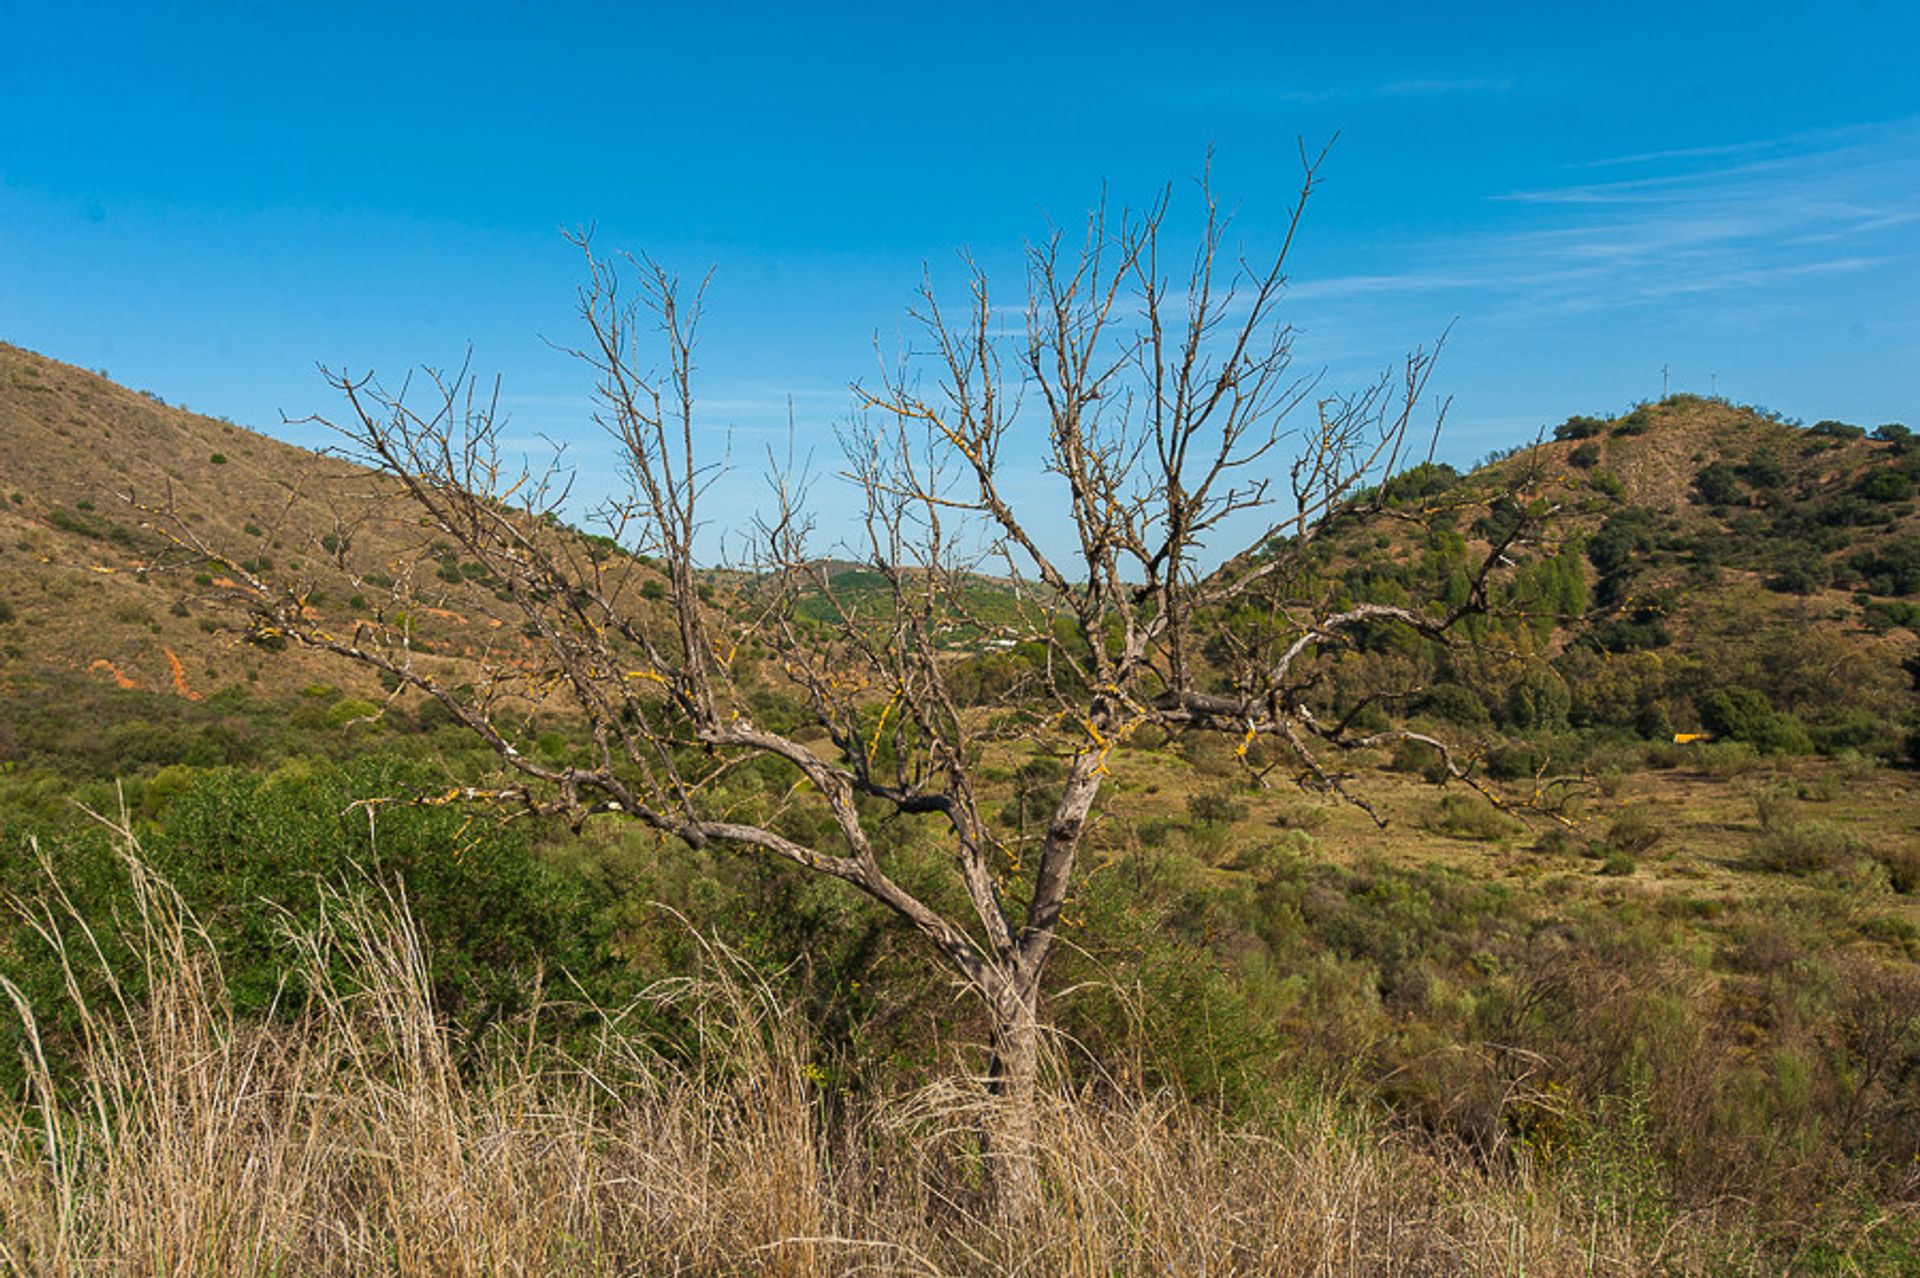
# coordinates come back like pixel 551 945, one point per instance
pixel 1162 398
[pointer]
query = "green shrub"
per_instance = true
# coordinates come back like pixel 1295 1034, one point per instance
pixel 1419 758
pixel 1215 808
pixel 218 459
pixel 1735 712
pixel 1801 571
pixel 1585 457
pixel 1665 755
pixel 1809 847
pixel 1515 762
pixel 1635 831
pixel 1836 430
pixel 1763 470
pixel 1886 485
pixel 1456 705
pixel 1903 869
pixel 1893 568
pixel 1538 699
pixel 341 713
pixel 255 856
pixel 1883 615
pixel 1558 841
pixel 1725 760
pixel 1745 714
pixel 1635 423
pixel 1461 816
pixel 1300 816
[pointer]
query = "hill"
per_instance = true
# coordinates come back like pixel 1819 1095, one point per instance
pixel 1686 1001
pixel 1690 551
pixel 95 581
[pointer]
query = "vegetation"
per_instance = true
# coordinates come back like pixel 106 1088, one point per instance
pixel 364 1135
pixel 1649 1004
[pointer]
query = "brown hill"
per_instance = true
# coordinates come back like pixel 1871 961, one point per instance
pixel 94 581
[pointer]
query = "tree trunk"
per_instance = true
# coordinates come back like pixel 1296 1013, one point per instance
pixel 1013 1075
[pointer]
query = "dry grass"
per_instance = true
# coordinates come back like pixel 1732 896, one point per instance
pixel 351 1141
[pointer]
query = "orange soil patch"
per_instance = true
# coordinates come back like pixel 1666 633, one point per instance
pixel 444 614
pixel 119 676
pixel 179 676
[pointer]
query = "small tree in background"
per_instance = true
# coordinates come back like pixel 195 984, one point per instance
pixel 1160 381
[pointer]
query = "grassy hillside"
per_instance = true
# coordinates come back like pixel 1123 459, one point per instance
pixel 99 484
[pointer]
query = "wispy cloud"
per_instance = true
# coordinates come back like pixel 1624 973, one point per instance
pixel 1803 139
pixel 1738 218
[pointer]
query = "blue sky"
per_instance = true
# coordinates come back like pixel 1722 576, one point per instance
pixel 208 201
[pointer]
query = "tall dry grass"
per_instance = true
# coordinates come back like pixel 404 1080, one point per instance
pixel 355 1138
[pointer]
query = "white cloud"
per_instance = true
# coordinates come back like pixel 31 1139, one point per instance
pixel 1814 205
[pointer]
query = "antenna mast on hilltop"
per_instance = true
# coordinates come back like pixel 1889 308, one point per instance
pixel 1663 380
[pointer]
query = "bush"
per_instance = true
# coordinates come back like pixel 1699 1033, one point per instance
pixel 1421 758
pixel 1892 569
pixel 1538 699
pixel 1585 457
pixel 1214 808
pixel 1461 816
pixel 1635 423
pixel 1803 572
pixel 1579 428
pixel 1881 616
pixel 1857 729
pixel 1456 704
pixel 1903 869
pixel 1763 470
pixel 341 713
pixel 1836 430
pixel 1725 760
pixel 1635 831
pixel 1652 722
pixel 1300 816
pixel 1810 847
pixel 1885 486
pixel 1745 714
pixel 1605 481
pixel 1515 762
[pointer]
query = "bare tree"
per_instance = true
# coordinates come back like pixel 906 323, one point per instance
pixel 1162 394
